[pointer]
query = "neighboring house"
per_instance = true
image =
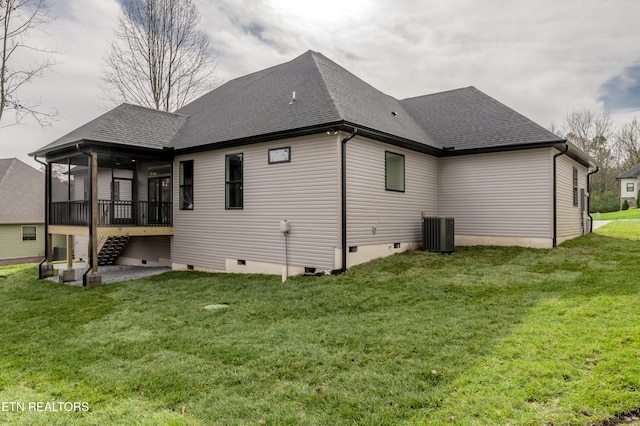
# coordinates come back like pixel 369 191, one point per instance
pixel 351 169
pixel 22 231
pixel 629 185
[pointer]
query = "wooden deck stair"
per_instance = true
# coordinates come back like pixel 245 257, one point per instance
pixel 111 249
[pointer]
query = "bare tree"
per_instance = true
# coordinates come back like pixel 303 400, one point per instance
pixel 18 19
pixel 628 143
pixel 589 131
pixel 159 58
pixel 593 133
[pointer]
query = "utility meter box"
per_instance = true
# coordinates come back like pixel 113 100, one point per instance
pixel 284 226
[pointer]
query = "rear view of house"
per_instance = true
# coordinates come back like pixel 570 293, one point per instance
pixel 305 167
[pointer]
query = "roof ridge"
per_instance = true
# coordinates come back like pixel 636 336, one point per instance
pixel 440 93
pixel 8 172
pixel 324 81
pixel 265 72
pixel 522 116
pixel 151 109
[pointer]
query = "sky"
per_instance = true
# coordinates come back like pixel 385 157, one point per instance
pixel 543 58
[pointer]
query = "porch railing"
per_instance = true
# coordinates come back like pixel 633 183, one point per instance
pixel 112 213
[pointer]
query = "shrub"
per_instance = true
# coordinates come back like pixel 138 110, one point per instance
pixel 604 202
pixel 638 200
pixel 625 205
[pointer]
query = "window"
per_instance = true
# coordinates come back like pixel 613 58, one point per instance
pixel 394 171
pixel 630 187
pixel 186 185
pixel 575 186
pixel 28 233
pixel 233 181
pixel 280 155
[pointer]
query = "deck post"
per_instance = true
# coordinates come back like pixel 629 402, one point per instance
pixel 93 232
pixel 69 252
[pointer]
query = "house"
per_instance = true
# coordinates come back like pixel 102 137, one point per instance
pixel 22 231
pixel 629 185
pixel 306 147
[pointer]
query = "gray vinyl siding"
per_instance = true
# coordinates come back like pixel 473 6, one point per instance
pixel 78 186
pixel 81 247
pixel 504 194
pixel 304 191
pixel 569 216
pixel 396 216
pixel 152 249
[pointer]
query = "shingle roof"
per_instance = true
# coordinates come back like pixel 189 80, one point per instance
pixel 126 125
pixel 469 119
pixel 21 193
pixel 260 104
pixel 631 173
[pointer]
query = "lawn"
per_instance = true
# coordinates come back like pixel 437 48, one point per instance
pixel 486 335
pixel 622 214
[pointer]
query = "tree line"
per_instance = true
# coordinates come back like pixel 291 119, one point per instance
pixel 615 147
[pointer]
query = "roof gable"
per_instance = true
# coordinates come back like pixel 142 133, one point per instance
pixel 21 193
pixel 260 103
pixel 263 103
pixel 466 119
pixel 310 93
pixel 126 124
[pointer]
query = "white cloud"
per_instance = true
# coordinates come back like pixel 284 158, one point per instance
pixel 541 58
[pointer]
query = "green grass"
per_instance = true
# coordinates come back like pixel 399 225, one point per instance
pixel 486 335
pixel 622 214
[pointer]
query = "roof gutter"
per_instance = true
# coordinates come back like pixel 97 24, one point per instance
pixel 555 193
pixel 589 197
pixel 343 152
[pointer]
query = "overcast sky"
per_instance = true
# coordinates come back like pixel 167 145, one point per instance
pixel 542 58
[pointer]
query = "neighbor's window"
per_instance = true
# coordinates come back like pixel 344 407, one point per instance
pixel 28 233
pixel 186 185
pixel 394 171
pixel 575 186
pixel 630 187
pixel 233 181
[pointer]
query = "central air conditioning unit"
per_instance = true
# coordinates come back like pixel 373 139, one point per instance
pixel 438 234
